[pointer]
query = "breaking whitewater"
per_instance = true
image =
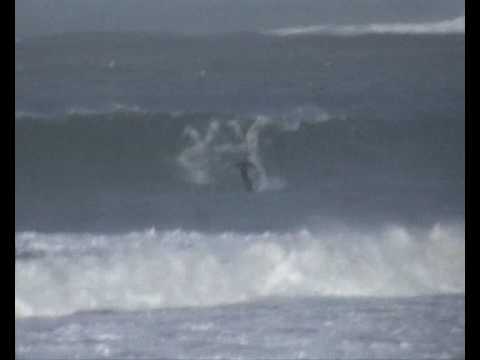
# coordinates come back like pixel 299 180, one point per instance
pixel 394 292
pixel 135 237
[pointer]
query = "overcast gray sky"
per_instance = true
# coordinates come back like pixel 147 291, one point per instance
pixel 212 16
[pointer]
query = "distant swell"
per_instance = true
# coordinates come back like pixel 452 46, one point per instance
pixel 451 26
pixel 57 274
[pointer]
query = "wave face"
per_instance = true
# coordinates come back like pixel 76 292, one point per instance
pixel 106 172
pixel 450 26
pixel 58 274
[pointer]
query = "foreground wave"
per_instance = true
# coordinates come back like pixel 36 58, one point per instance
pixel 59 274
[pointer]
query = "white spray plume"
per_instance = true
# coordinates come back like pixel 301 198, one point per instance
pixel 224 142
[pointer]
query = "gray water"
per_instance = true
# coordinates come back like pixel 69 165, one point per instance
pixel 135 237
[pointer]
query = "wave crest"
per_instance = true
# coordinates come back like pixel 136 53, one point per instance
pixel 450 26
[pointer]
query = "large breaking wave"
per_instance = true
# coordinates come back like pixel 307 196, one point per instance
pixel 59 273
pixel 133 169
pixel 171 149
pixel 195 148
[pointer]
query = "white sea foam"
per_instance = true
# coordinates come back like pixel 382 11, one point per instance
pixel 20 114
pixel 224 143
pixel 151 269
pixel 450 26
pixel 112 108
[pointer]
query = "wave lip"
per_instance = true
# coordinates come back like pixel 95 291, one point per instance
pixel 449 26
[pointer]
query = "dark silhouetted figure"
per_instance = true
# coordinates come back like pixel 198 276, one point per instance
pixel 246 167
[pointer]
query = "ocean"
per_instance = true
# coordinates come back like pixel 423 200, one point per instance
pixel 135 236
